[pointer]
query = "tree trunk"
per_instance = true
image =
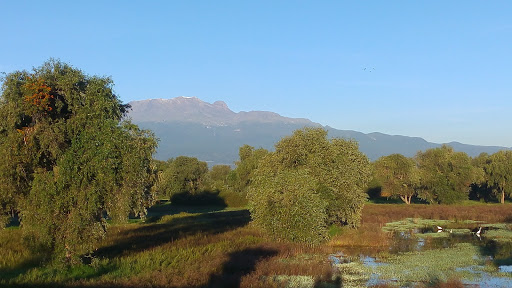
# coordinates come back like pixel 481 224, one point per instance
pixel 406 199
pixel 502 201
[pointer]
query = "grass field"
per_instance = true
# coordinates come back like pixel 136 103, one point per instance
pixel 206 247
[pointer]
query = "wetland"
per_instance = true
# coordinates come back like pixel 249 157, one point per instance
pixel 397 245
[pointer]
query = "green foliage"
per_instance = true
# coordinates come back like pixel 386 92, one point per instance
pixel 290 207
pixel 183 175
pixel 307 184
pixel 498 171
pixel 398 175
pixel 445 175
pixel 240 178
pixel 218 177
pixel 72 160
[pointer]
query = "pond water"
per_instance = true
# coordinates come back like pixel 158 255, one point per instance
pixel 421 254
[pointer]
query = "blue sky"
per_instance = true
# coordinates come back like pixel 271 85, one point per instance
pixel 440 70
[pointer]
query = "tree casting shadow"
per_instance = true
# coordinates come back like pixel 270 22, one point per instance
pixel 154 235
pixel 240 263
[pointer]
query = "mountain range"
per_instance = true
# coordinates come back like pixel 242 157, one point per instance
pixel 214 133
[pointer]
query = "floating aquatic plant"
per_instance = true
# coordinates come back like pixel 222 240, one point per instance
pixel 424 266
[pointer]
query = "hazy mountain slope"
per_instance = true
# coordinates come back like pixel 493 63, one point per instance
pixel 213 133
pixel 214 144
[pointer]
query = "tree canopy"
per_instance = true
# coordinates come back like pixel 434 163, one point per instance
pixel 398 175
pixel 307 184
pixel 445 175
pixel 498 170
pixel 184 174
pixel 70 158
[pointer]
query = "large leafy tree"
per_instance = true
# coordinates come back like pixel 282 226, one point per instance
pixel 307 184
pixel 498 170
pixel 69 160
pixel 445 175
pixel 398 176
pixel 480 188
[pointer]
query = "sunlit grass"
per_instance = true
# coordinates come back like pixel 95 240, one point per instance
pixel 181 249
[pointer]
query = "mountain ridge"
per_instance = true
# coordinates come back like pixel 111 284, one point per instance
pixel 193 109
pixel 213 133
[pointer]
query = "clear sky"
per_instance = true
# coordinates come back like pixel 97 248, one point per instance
pixel 441 70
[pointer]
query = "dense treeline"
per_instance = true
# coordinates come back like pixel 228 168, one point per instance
pixel 187 180
pixel 297 192
pixel 441 175
pixel 310 183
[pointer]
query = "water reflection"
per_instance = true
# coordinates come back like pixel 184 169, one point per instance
pixel 495 256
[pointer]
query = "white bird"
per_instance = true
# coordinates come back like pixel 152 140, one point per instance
pixel 439 229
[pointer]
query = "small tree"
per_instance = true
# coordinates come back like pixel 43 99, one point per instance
pixel 398 176
pixel 332 173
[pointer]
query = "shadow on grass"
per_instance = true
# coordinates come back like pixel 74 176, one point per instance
pixel 7 274
pixel 156 234
pixel 240 263
pixel 201 202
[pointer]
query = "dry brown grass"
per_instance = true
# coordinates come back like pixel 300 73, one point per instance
pixel 370 235
pixel 384 213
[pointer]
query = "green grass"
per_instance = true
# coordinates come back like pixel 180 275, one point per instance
pixel 178 247
pixel 187 246
pixel 419 223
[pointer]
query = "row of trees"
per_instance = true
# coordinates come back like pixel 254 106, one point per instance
pixel 296 192
pixel 69 161
pixel 189 179
pixel 310 182
pixel 442 175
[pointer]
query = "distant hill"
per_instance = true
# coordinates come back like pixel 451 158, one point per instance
pixel 213 133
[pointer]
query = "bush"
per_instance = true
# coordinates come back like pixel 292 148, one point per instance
pixel 288 207
pixel 308 184
pixel 199 198
pixel 234 199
